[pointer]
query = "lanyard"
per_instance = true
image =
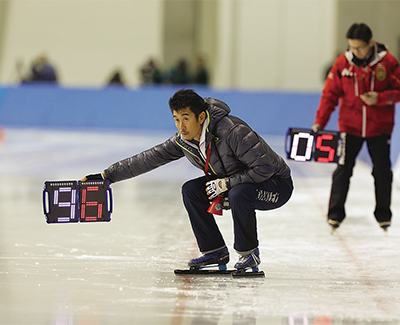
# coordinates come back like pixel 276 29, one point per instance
pixel 207 158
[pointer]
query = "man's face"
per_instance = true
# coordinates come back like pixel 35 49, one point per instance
pixel 359 48
pixel 189 126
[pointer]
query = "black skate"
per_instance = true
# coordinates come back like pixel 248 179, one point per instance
pixel 385 225
pixel 334 225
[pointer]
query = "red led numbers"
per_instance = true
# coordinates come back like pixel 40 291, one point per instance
pixel 326 146
pixel 320 149
pixel 90 210
pixel 93 201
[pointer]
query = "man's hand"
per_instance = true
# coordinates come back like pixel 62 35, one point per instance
pixel 316 127
pixel 370 98
pixel 93 177
pixel 216 187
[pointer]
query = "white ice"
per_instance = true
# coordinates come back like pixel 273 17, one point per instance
pixel 121 272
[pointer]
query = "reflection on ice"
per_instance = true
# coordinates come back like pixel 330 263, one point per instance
pixel 122 272
pixel 327 320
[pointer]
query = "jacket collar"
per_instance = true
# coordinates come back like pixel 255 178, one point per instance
pixel 203 137
pixel 377 54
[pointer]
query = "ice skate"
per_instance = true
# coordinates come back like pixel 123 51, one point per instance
pixel 209 263
pixel 334 225
pixel 219 258
pixel 385 225
pixel 248 265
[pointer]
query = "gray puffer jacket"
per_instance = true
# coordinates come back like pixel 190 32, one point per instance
pixel 238 153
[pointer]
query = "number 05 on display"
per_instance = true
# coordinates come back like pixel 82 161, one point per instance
pixel 322 146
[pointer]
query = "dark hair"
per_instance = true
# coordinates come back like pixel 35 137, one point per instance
pixel 359 32
pixel 187 98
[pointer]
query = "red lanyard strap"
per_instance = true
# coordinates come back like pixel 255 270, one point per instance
pixel 207 159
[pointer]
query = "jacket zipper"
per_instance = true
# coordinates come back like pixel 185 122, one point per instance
pixel 372 81
pixel 364 121
pixel 364 108
pixel 364 126
pixel 202 162
pixel 355 84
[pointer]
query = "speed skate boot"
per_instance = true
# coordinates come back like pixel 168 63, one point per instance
pixel 249 261
pixel 334 225
pixel 218 258
pixel 385 225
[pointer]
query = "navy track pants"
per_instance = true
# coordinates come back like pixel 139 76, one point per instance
pixel 244 199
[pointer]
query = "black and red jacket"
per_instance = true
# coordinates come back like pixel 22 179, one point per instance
pixel 348 79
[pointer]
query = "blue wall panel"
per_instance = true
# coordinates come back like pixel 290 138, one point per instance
pixel 147 108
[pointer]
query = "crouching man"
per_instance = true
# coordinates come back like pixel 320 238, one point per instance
pixel 237 163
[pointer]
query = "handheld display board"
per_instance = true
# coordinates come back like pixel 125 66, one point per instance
pixel 305 145
pixel 73 201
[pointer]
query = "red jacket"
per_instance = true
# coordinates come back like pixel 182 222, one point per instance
pixel 347 81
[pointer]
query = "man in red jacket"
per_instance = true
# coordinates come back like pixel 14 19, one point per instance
pixel 366 79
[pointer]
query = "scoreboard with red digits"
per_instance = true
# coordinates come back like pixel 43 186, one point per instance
pixel 75 201
pixel 306 145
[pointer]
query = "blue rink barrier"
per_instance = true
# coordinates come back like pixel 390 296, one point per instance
pixel 145 108
pixel 49 106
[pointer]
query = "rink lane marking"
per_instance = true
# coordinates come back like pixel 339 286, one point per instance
pixel 359 267
pixel 380 302
pixel 70 257
pixel 180 306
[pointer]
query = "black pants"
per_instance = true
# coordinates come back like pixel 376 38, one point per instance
pixel 244 199
pixel 379 150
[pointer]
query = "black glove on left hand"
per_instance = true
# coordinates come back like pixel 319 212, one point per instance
pixel 93 177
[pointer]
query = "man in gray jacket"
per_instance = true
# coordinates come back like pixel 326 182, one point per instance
pixel 238 164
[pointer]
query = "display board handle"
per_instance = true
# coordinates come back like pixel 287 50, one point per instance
pixel 109 201
pixel 46 205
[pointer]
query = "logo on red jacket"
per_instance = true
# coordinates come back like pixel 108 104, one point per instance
pixel 347 72
pixel 380 72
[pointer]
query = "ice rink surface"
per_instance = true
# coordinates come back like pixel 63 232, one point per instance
pixel 121 272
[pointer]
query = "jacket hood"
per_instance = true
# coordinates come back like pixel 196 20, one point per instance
pixel 217 110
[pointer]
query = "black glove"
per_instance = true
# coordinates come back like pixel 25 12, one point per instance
pixel 93 177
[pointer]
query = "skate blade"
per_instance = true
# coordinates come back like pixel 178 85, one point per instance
pixel 252 272
pixel 334 225
pixel 203 271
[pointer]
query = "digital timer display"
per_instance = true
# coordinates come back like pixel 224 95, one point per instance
pixel 305 145
pixel 60 201
pixel 327 145
pixel 73 201
pixel 301 144
pixel 93 199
